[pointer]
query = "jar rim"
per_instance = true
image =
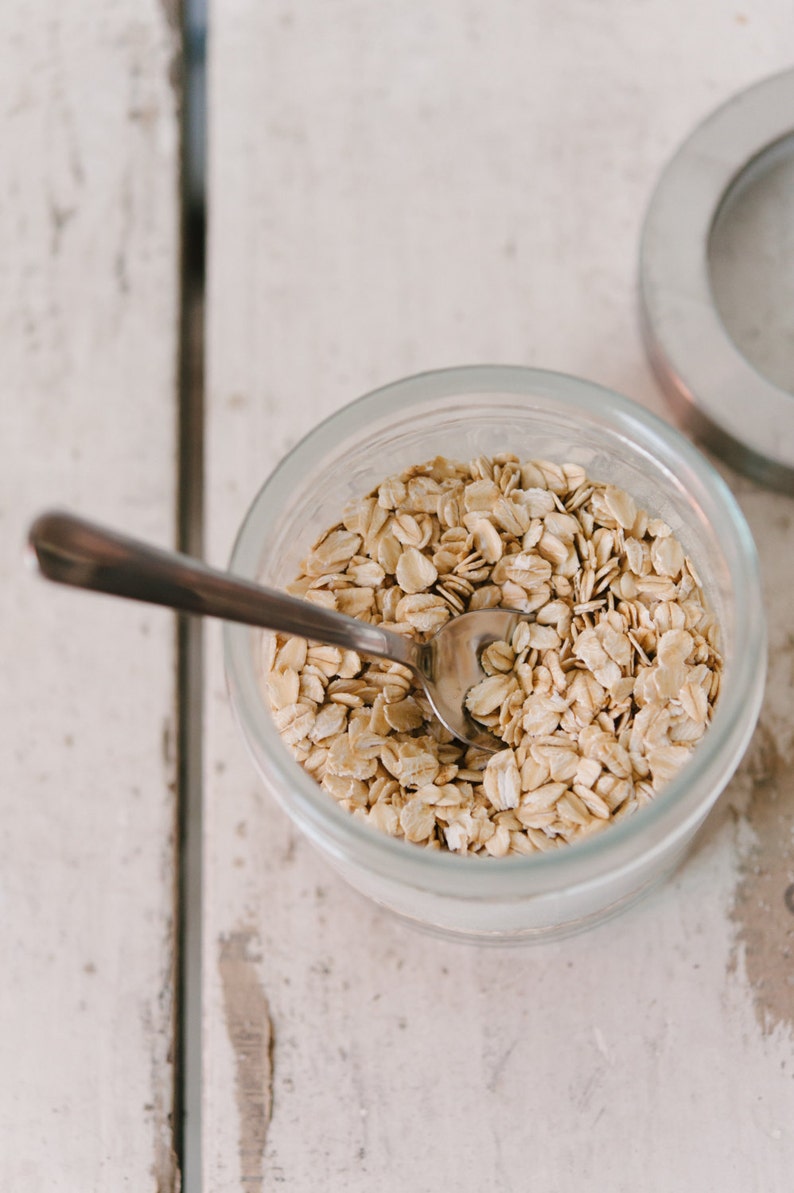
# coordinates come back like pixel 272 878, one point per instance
pixel 682 802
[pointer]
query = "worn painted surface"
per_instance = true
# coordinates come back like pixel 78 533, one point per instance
pixel 402 186
pixel 763 794
pixel 88 302
pixel 248 1024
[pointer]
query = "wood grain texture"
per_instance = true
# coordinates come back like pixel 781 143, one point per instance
pixel 248 1023
pixel 88 325
pixel 396 187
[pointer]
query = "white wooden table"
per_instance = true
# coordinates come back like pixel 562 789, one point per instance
pixel 88 307
pixel 392 187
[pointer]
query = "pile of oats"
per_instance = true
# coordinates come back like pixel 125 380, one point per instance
pixel 599 697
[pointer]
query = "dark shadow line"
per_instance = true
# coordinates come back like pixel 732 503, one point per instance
pixel 187 1132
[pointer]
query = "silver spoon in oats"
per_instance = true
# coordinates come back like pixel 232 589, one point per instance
pixel 73 551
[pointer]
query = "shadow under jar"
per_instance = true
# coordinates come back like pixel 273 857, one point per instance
pixel 484 410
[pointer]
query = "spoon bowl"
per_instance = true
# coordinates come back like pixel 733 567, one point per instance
pixel 71 550
pixel 451 667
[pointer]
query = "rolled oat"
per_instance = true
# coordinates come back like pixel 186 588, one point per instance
pixel 599 697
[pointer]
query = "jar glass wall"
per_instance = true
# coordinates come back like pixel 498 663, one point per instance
pixel 462 413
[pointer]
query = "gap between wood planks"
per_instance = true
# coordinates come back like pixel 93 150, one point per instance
pixel 190 539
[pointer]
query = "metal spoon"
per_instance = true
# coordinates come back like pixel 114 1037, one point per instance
pixel 73 551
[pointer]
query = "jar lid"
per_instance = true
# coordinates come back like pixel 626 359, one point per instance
pixel 721 384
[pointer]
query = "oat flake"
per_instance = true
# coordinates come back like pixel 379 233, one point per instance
pixel 600 697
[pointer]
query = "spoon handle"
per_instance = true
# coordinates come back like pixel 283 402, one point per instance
pixel 73 551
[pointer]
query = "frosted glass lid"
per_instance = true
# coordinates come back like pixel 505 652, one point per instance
pixel 717 281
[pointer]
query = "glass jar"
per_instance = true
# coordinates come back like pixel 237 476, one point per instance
pixel 483 410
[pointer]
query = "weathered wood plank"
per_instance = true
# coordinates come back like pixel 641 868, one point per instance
pixel 396 187
pixel 88 327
